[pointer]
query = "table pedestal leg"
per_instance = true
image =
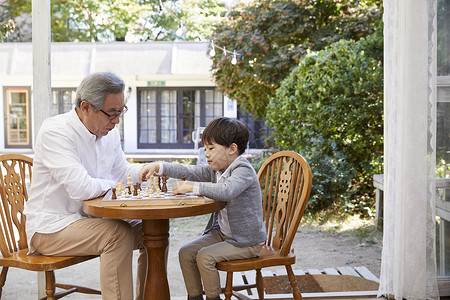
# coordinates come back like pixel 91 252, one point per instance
pixel 156 241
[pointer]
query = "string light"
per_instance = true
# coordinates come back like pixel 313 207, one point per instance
pixel 234 60
pixel 212 52
pixel 225 52
pixel 179 31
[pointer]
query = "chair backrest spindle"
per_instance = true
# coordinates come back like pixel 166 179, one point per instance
pixel 285 179
pixel 15 174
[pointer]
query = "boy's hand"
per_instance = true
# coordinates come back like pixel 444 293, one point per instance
pixel 181 187
pixel 148 170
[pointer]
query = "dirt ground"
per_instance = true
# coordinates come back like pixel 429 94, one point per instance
pixel 352 243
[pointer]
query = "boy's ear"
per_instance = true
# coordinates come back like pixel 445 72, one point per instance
pixel 233 148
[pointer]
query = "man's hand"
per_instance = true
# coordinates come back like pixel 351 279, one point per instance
pixel 148 170
pixel 181 187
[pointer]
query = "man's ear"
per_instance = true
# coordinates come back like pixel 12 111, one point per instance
pixel 84 107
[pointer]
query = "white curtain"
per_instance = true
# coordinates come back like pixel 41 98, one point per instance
pixel 408 266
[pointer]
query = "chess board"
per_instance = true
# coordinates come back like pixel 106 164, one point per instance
pixel 163 199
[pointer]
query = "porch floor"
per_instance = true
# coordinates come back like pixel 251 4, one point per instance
pixel 329 283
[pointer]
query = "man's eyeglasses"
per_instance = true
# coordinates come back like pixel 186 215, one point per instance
pixel 115 115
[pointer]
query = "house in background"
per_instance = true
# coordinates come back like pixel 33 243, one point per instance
pixel 170 94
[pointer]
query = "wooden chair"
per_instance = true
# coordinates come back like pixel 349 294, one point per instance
pixel 15 176
pixel 285 179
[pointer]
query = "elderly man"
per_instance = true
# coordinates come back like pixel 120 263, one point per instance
pixel 77 156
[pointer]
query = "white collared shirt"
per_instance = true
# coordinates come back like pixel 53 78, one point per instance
pixel 71 165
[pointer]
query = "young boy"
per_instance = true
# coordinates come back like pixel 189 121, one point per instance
pixel 235 232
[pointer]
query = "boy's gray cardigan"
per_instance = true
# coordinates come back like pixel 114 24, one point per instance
pixel 240 190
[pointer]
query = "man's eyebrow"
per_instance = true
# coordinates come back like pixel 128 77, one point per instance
pixel 114 109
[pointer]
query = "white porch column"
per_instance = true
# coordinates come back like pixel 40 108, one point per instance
pixel 41 89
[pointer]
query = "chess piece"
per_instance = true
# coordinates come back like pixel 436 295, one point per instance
pixel 152 182
pixel 135 190
pixel 183 178
pixel 158 195
pixel 146 193
pixel 138 194
pixel 127 195
pixel 159 182
pixel 114 196
pixel 164 183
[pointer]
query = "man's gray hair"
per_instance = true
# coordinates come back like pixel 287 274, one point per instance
pixel 96 86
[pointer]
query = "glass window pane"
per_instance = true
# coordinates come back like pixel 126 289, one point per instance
pixel 218 103
pixel 209 109
pixel 147 118
pixel 63 100
pixel 55 107
pixel 169 116
pixel 218 110
pixel 148 137
pixel 55 98
pixel 442 133
pixel 22 123
pixel 17 97
pixel 17 110
pixel 190 98
pixel 213 105
pixel 23 136
pixel 168 136
pixel 68 100
pixel 443 37
pixel 13 122
pixel 197 115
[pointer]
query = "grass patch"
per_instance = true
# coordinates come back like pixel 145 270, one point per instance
pixel 367 234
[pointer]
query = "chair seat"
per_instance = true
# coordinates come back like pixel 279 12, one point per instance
pixel 35 262
pixel 268 257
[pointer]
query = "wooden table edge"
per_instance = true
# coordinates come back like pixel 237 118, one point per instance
pixel 94 207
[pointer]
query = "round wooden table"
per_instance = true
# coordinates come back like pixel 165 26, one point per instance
pixel 155 227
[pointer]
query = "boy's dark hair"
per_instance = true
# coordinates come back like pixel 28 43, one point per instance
pixel 225 131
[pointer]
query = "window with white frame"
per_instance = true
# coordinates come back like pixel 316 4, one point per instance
pixel 443 138
pixel 168 116
pixel 17 121
pixel 63 100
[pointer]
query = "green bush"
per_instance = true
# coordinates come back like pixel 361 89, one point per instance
pixel 330 110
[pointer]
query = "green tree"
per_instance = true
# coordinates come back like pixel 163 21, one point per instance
pixel 13 16
pixel 330 109
pixel 270 38
pixel 111 20
pixel 6 28
pixel 146 20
